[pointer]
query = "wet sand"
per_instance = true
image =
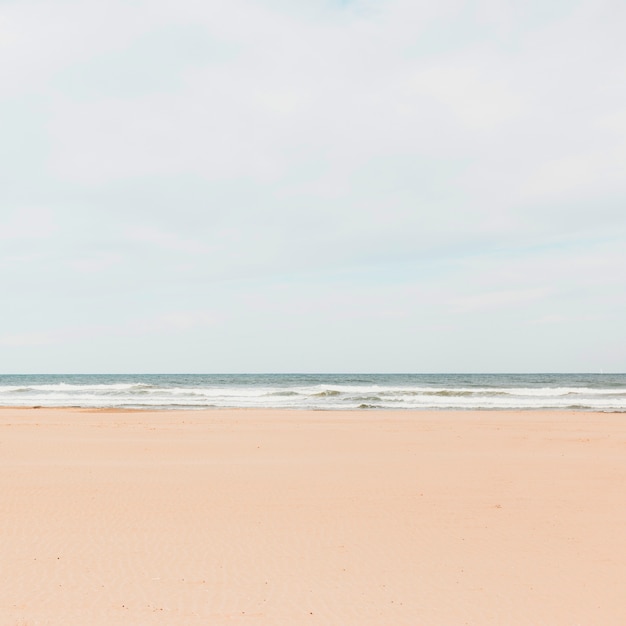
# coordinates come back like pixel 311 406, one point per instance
pixel 275 518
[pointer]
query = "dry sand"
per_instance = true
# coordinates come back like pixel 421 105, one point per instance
pixel 313 518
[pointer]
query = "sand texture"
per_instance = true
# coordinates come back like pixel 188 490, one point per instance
pixel 275 518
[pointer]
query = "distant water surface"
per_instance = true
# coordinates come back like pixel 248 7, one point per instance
pixel 591 392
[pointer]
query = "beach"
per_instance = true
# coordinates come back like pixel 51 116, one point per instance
pixel 281 517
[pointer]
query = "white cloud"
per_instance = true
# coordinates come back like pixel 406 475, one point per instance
pixel 165 240
pixel 30 339
pixel 172 322
pixel 27 223
pixel 469 155
pixel 496 300
pixel 94 263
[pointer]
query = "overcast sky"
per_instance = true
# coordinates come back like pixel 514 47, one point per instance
pixel 312 186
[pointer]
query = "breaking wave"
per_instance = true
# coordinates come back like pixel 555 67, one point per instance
pixel 329 391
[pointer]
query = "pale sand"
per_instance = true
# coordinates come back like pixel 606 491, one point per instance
pixel 313 518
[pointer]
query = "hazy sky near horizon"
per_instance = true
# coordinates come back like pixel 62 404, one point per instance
pixel 258 186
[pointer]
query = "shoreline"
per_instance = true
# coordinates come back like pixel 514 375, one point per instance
pixel 290 517
pixel 585 392
pixel 303 410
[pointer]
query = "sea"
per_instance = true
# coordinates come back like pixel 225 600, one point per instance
pixel 578 392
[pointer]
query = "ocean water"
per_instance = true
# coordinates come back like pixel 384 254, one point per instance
pixel 585 392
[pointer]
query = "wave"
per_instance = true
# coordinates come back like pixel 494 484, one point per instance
pixel 318 392
pixel 70 387
pixel 449 393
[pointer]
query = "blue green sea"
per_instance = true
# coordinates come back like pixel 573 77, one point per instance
pixel 584 392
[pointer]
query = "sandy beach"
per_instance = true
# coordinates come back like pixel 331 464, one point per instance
pixel 276 518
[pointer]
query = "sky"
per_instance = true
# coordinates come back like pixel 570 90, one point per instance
pixel 312 186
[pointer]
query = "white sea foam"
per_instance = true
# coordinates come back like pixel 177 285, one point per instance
pixel 335 392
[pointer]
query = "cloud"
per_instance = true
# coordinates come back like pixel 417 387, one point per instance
pixel 27 223
pixel 164 240
pixel 172 322
pixel 94 263
pixel 425 163
pixel 494 300
pixel 309 107
pixel 30 339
